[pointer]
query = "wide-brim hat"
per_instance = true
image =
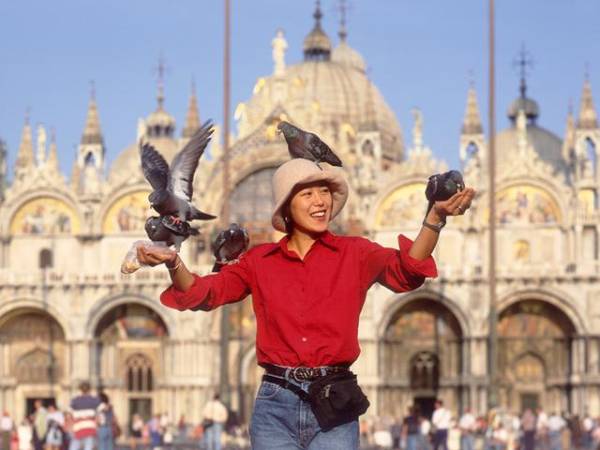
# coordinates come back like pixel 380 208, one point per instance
pixel 301 171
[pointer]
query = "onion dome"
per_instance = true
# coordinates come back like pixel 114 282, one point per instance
pixel 317 46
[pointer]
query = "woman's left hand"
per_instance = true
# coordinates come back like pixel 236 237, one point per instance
pixel 456 205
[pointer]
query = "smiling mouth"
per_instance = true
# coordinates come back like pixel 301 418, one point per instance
pixel 319 214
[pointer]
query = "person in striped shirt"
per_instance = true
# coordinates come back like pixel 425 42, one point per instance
pixel 83 409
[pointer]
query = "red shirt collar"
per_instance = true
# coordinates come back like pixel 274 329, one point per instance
pixel 327 238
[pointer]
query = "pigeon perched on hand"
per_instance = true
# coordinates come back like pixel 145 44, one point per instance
pixel 229 245
pixel 165 229
pixel 173 187
pixel 302 144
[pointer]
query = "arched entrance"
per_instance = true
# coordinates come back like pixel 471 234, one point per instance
pixel 252 204
pixel 33 343
pixel 129 346
pixel 534 356
pixel 422 358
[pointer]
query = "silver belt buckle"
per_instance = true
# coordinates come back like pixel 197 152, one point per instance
pixel 301 374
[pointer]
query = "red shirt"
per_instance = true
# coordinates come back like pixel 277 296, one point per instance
pixel 307 310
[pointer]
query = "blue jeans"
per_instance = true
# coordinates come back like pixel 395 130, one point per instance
pixel 467 442
pixel 282 421
pixel 212 436
pixel 105 438
pixel 88 443
pixel 412 441
pixel 555 442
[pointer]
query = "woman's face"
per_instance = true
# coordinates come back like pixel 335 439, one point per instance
pixel 310 208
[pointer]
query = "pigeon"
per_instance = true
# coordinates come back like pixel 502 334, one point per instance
pixel 173 187
pixel 443 186
pixel 302 144
pixel 229 245
pixel 166 229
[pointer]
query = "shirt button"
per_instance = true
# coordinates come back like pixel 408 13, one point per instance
pixel 304 339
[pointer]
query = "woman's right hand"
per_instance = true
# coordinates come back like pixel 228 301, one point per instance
pixel 153 256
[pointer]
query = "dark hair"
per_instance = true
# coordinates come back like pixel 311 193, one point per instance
pixel 84 387
pixel 103 397
pixel 287 214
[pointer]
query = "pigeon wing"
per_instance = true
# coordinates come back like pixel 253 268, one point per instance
pixel 185 163
pixel 156 169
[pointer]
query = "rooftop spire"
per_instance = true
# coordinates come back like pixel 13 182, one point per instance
pixel 472 120
pixel 25 156
pixel 317 46
pixel 52 161
pixel 343 7
pixel 192 119
pixel 160 97
pixel 523 62
pixel 529 106
pixel 569 141
pixel 588 119
pixel 92 133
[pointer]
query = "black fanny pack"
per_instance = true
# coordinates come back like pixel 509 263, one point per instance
pixel 335 399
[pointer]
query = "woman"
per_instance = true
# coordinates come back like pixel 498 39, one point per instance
pixel 307 291
pixel 105 418
pixel 136 430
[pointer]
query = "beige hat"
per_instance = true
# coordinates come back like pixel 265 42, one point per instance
pixel 302 171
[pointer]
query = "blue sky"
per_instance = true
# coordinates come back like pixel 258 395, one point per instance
pixel 419 52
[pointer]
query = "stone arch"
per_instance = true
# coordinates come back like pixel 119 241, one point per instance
pixel 35 345
pixel 106 304
pixel 398 301
pixel 414 186
pixel 52 194
pixel 116 214
pixel 547 187
pixel 18 306
pixel 420 335
pixel 562 301
pixel 250 174
pixel 116 194
pixel 535 348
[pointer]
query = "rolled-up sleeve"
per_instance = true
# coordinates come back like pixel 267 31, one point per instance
pixel 230 285
pixel 395 269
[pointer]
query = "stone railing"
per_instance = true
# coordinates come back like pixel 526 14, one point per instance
pixel 34 278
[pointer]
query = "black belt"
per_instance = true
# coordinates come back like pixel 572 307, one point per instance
pixel 301 374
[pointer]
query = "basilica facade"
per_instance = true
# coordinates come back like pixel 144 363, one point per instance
pixel 67 314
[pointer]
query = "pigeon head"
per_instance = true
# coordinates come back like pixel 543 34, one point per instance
pixel 152 225
pixel 288 130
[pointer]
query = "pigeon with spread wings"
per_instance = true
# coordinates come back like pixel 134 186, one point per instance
pixel 173 187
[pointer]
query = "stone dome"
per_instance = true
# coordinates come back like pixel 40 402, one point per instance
pixel 324 94
pixel 529 106
pixel 546 144
pixel 346 55
pixel 128 165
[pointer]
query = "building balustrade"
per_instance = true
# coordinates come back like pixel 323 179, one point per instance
pixel 54 278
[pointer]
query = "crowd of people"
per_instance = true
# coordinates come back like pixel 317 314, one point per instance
pixel 497 430
pixel 88 423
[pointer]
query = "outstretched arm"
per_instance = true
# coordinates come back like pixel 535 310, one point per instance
pixel 181 277
pixel 427 238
